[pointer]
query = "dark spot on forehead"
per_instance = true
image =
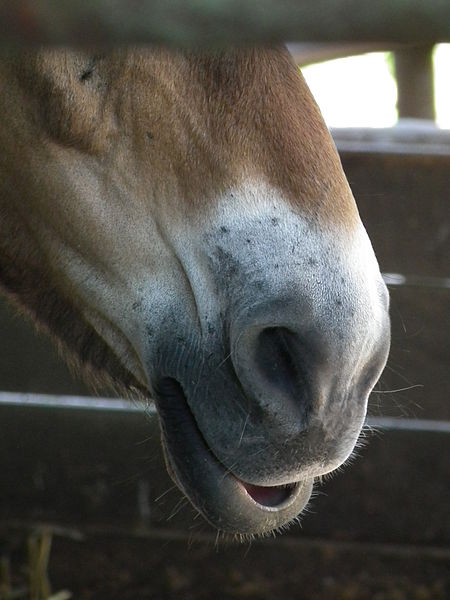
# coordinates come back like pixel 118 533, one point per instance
pixel 88 71
pixel 86 74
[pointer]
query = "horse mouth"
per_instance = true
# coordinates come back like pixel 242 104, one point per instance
pixel 226 501
pixel 275 496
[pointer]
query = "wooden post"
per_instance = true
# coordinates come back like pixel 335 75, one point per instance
pixel 415 82
pixel 218 22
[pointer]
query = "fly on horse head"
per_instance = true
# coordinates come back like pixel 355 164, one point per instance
pixel 180 223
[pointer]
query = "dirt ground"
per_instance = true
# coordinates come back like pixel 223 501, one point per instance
pixel 160 567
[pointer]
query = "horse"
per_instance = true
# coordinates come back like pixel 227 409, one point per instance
pixel 180 224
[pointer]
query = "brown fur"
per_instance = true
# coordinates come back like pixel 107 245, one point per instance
pixel 201 122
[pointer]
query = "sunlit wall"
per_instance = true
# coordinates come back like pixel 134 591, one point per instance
pixel 361 90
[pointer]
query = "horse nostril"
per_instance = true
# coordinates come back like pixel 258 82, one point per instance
pixel 278 358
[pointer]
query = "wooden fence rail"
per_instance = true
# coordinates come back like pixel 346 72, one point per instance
pixel 218 22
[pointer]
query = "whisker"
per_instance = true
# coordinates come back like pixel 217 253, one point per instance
pixel 173 487
pixel 389 367
pixel 179 505
pixel 243 429
pixel 222 362
pixel 404 389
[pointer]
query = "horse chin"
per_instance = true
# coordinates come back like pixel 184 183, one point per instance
pixel 226 502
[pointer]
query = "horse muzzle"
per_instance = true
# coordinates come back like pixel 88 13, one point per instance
pixel 265 388
pixel 247 430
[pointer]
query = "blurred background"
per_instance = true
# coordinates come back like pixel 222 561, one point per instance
pixel 361 91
